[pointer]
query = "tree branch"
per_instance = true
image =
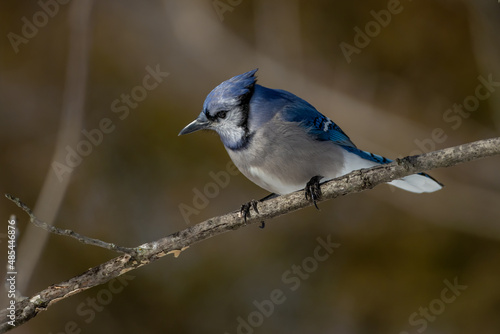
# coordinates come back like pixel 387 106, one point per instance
pixel 69 233
pixel 175 243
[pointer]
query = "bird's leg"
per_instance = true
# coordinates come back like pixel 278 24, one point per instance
pixel 313 190
pixel 245 208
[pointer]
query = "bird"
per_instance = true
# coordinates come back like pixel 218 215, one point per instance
pixel 282 143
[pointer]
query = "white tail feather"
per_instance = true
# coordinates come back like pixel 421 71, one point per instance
pixel 415 183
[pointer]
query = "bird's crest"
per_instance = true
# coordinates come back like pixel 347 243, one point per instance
pixel 230 93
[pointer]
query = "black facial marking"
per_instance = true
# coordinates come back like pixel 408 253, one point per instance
pixel 245 107
pixel 218 115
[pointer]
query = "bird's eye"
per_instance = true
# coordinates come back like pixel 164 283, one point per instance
pixel 221 114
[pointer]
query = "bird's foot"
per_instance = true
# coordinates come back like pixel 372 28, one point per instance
pixel 245 209
pixel 313 190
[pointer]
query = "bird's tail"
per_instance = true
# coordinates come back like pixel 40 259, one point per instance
pixel 416 183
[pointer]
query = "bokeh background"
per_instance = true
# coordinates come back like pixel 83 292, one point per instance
pixel 396 250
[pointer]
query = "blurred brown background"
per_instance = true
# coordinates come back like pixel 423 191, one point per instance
pixel 67 67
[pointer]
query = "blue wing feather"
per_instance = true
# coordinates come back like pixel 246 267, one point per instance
pixel 315 123
pixel 367 155
pixel 322 128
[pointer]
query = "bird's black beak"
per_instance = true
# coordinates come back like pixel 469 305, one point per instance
pixel 195 125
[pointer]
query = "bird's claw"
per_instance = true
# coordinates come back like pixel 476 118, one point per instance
pixel 245 209
pixel 313 190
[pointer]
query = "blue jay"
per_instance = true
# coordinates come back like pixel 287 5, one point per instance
pixel 282 143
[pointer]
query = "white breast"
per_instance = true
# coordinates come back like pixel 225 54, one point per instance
pixel 282 158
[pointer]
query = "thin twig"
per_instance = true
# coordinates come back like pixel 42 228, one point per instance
pixel 351 183
pixel 69 233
